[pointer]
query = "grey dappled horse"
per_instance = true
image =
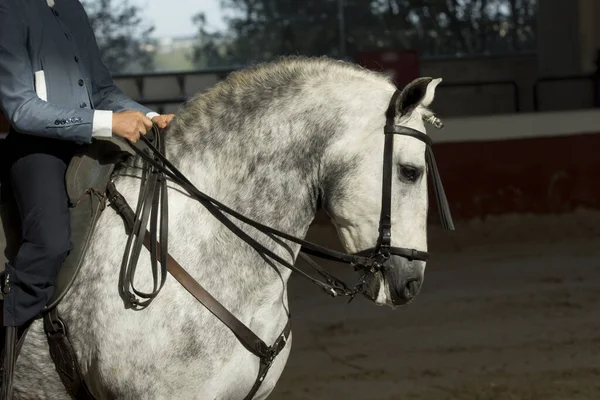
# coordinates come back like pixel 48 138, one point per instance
pixel 270 142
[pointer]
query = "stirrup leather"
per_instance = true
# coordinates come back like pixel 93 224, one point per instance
pixel 8 361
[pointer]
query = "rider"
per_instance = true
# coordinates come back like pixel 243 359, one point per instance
pixel 57 94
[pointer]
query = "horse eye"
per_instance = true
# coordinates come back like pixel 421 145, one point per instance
pixel 409 173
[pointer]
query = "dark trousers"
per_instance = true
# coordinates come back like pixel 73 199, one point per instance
pixel 33 173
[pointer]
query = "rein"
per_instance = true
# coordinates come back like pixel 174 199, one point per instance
pixel 159 168
pixel 152 208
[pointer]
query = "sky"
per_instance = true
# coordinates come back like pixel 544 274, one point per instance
pixel 174 17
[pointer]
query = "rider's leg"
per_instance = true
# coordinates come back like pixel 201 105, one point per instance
pixel 36 173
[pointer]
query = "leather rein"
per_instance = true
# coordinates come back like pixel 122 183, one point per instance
pixel 152 208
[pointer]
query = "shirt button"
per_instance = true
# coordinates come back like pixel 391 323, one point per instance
pixel 83 105
pixel 76 59
pixel 80 82
pixel 55 12
pixel 57 122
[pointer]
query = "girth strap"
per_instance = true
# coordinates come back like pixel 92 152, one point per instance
pixel 64 356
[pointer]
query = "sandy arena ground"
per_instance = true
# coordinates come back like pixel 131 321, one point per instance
pixel 509 311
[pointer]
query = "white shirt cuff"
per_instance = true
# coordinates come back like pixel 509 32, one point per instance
pixel 102 124
pixel 152 114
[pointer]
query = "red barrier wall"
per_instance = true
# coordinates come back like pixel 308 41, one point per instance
pixel 538 175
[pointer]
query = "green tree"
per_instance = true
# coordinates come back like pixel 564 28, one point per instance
pixel 212 49
pixel 260 30
pixel 124 42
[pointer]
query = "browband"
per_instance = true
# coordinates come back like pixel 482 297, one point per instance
pixel 406 131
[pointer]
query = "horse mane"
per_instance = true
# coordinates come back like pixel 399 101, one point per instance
pixel 288 71
pixel 262 84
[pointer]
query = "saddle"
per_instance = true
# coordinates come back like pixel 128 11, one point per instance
pixel 86 179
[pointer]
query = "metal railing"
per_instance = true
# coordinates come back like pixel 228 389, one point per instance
pixel 159 104
pixel 180 76
pixel 539 82
pixel 475 84
pixel 221 73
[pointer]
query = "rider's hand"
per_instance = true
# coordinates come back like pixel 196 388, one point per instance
pixel 130 125
pixel 164 120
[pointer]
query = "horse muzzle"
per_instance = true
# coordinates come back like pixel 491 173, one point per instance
pixel 403 279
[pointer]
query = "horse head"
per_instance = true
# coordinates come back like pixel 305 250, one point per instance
pixel 353 200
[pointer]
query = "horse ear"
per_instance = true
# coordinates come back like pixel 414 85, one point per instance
pixel 418 93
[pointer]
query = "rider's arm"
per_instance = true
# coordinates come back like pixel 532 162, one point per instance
pixel 106 95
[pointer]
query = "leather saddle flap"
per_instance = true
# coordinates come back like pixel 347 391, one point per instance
pixel 92 166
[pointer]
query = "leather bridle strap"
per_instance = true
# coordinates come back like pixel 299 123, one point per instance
pixel 153 191
pixel 310 248
pixel 440 194
pixel 392 129
pixel 385 224
pixel 307 247
pixel 410 254
pixel 334 286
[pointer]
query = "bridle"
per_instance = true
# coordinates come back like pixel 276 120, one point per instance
pixel 383 249
pixel 152 208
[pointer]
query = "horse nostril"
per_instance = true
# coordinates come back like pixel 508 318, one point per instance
pixel 411 289
pixel 414 287
pixel 404 284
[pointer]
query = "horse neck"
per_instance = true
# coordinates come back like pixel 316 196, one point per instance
pixel 268 180
pixel 273 182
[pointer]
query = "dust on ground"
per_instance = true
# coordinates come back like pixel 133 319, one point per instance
pixel 509 311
